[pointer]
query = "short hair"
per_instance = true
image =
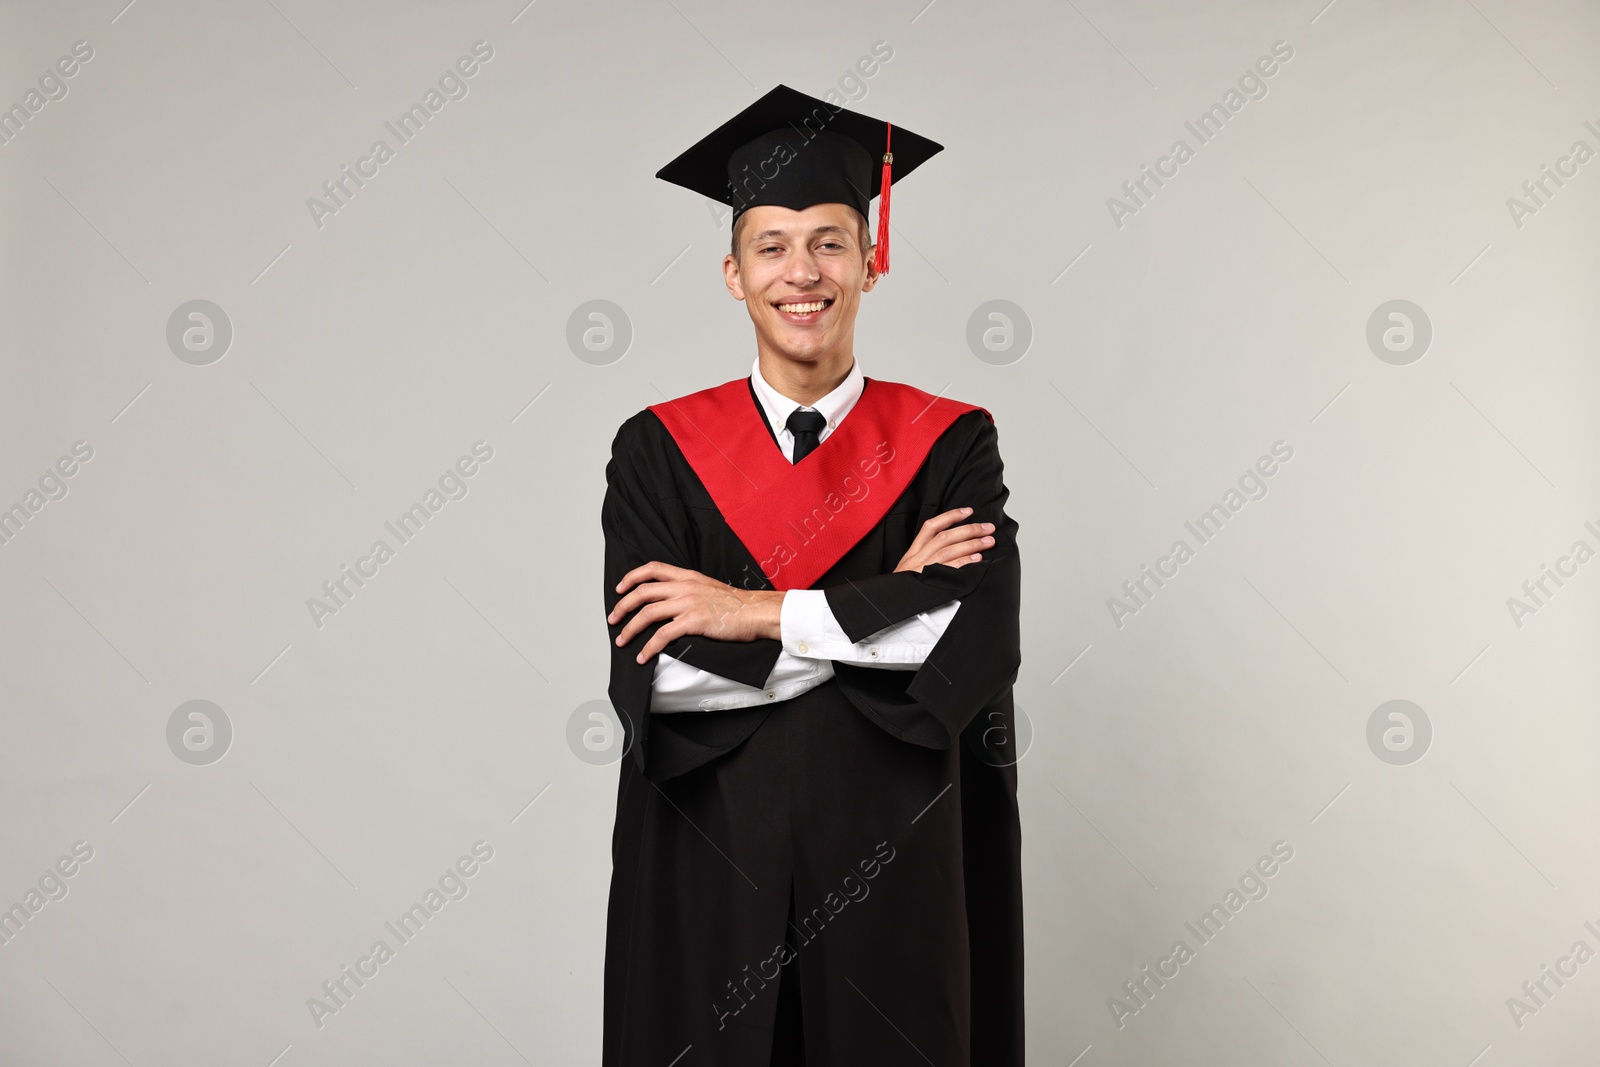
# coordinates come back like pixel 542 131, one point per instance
pixel 864 233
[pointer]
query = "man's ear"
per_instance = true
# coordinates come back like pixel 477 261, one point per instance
pixel 730 275
pixel 872 272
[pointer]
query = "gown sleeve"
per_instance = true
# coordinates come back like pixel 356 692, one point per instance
pixel 980 651
pixel 643 521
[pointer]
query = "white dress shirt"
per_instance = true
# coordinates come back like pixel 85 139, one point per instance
pixel 812 638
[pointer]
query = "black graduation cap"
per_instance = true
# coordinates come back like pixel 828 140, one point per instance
pixel 793 150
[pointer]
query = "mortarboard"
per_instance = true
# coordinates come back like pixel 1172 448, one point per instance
pixel 792 150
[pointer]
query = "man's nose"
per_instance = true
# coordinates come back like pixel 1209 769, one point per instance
pixel 801 268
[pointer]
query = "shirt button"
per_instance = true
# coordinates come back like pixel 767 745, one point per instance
pixel 771 695
pixel 803 648
pixel 872 652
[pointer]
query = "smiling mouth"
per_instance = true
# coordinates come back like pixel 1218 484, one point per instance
pixel 803 311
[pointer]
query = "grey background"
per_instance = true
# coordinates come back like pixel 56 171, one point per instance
pixel 1167 355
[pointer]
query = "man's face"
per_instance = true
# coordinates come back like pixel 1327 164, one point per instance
pixel 799 259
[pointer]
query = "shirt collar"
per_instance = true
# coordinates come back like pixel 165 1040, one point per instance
pixel 834 407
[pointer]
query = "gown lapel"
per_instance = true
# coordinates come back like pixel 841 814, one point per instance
pixel 798 519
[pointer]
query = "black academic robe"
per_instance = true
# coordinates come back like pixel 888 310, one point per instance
pixel 850 856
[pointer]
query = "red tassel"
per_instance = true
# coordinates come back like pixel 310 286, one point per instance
pixel 880 255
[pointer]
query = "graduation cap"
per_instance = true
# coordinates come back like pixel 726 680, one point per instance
pixel 792 150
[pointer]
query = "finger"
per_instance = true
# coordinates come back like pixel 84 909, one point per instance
pixel 961 533
pixel 652 571
pixel 646 593
pixel 645 616
pixel 663 637
pixel 640 621
pixel 939 522
pixel 963 548
pixel 635 576
pixel 959 563
pixel 930 531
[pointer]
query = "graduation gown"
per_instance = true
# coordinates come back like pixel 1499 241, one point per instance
pixel 833 878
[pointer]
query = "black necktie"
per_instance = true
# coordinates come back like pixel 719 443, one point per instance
pixel 806 427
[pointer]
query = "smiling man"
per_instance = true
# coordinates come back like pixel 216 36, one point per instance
pixel 812 590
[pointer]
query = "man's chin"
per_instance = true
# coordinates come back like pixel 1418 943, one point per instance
pixel 803 353
pixel 802 346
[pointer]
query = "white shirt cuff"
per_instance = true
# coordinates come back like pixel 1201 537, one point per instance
pixel 808 629
pixel 807 623
pixel 677 686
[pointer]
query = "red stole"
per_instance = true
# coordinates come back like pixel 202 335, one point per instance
pixel 799 519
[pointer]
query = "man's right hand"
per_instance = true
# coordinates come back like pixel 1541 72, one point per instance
pixel 941 541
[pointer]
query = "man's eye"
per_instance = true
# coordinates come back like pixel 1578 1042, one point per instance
pixel 768 248
pixel 832 244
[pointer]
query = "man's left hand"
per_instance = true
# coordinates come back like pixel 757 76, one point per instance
pixel 693 604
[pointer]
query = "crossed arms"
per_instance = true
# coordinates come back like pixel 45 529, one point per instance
pixel 949 610
pixel 693 604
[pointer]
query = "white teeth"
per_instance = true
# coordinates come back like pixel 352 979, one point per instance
pixel 804 309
